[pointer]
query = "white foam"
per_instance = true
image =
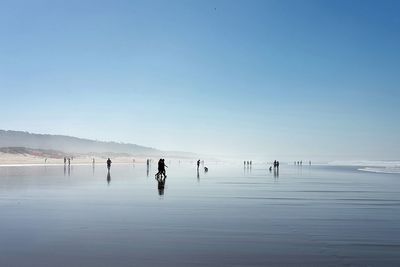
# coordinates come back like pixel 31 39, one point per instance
pixel 381 169
pixel 377 166
pixel 368 163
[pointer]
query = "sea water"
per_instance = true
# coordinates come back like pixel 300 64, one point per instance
pixel 229 216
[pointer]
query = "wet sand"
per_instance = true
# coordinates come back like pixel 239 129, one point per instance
pixel 230 216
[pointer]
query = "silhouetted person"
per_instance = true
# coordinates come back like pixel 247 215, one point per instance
pixel 309 163
pixel 161 169
pixel 277 164
pixel 270 168
pixel 65 160
pixel 244 163
pixel 274 164
pixel 109 164
pixel 69 161
pixel 163 166
pixel 198 164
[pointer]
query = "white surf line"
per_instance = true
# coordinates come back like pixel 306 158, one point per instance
pixel 380 170
pixel 60 164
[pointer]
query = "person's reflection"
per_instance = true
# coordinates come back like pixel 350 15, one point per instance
pixel 276 173
pixel 148 170
pixel 108 177
pixel 160 185
pixel 65 170
pixel 198 175
pixel 69 170
pixel 93 169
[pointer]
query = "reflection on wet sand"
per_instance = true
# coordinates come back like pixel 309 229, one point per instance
pixel 160 184
pixel 276 173
pixel 108 177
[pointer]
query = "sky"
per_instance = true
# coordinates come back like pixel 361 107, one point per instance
pixel 252 79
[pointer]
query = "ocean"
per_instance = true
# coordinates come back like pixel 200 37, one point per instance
pixel 319 215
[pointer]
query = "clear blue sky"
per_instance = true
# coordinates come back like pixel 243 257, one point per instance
pixel 288 79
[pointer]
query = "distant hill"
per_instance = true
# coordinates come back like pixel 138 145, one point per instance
pixel 25 142
pixel 33 152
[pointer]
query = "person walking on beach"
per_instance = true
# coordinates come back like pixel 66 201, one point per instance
pixel 161 169
pixel 159 173
pixel 109 164
pixel 163 166
pixel 69 161
pixel 198 164
pixel 65 160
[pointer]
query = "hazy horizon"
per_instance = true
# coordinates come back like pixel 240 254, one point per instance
pixel 224 157
pixel 262 79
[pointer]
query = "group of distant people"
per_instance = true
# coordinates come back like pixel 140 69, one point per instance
pixel 301 162
pixel 247 163
pixel 161 169
pixel 275 165
pixel 68 159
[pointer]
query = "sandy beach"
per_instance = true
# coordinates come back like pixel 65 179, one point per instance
pixel 7 159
